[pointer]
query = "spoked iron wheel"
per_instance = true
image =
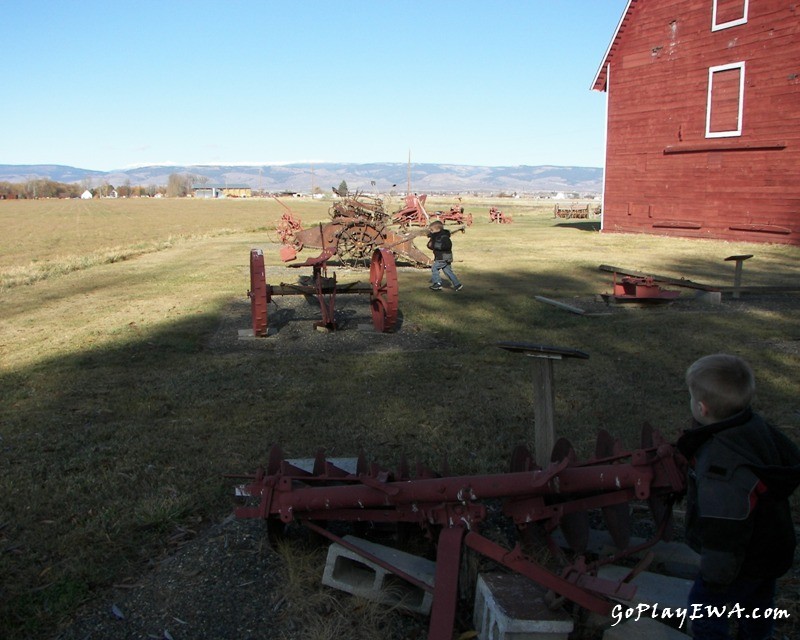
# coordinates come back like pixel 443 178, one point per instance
pixel 357 241
pixel 384 299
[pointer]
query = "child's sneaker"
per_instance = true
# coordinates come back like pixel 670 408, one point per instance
pixel 459 287
pixel 435 287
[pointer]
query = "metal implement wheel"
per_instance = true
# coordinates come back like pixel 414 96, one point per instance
pixel 258 293
pixel 384 299
pixel 357 240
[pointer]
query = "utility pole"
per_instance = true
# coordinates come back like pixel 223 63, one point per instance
pixel 408 190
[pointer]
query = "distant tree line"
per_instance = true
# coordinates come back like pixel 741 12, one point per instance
pixel 39 189
pixel 43 188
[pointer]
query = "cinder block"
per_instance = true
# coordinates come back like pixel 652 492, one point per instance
pixel 643 629
pixel 672 558
pixel 708 297
pixel 512 607
pixel 652 588
pixel 348 571
pixel 350 465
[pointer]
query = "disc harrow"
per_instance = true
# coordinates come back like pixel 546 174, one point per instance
pixel 452 510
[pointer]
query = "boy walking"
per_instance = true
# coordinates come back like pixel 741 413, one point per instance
pixel 442 246
pixel 738 518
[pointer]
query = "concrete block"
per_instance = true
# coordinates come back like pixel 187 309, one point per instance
pixel 348 571
pixel 643 629
pixel 672 558
pixel 512 607
pixel 350 465
pixel 652 588
pixel 708 297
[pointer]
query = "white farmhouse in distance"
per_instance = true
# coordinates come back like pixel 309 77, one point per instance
pixel 86 195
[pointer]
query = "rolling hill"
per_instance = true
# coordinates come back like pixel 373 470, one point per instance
pixel 378 176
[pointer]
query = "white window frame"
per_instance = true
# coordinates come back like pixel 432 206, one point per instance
pixel 711 72
pixel 731 23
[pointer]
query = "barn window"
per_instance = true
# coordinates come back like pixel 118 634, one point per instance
pixel 728 13
pixel 725 100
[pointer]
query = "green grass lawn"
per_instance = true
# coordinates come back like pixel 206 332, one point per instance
pixel 117 421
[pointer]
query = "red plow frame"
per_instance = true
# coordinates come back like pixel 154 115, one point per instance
pixel 451 509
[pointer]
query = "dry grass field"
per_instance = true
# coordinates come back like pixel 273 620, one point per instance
pixel 125 397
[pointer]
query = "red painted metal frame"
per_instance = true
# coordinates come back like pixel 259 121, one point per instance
pixel 453 506
pixel 454 214
pixel 498 217
pixel 414 213
pixel 258 293
pixel 385 297
pixel 383 290
pixel 641 289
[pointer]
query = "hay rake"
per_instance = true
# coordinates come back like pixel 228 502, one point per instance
pixel 451 509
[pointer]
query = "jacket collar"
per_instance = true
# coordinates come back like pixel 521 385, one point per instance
pixel 694 438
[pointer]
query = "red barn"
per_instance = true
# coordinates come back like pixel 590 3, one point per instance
pixel 703 120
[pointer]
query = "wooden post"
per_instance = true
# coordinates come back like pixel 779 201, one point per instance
pixel 544 436
pixel 544 400
pixel 737 277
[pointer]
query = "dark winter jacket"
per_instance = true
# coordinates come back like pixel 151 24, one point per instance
pixel 441 245
pixel 742 472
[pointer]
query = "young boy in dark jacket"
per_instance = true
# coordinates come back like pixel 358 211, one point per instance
pixel 738 518
pixel 439 242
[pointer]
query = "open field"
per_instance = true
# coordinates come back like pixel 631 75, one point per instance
pixel 121 406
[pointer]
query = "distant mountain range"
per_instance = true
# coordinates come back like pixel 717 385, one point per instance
pixel 377 176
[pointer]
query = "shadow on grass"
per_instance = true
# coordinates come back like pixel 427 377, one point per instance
pixel 106 454
pixel 586 225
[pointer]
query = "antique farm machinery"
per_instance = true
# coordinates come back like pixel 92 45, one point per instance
pixel 414 214
pixel 498 217
pixel 358 226
pixel 382 290
pixel 454 214
pixel 453 510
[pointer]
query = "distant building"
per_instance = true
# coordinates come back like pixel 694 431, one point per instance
pixel 703 106
pixel 86 195
pixel 221 191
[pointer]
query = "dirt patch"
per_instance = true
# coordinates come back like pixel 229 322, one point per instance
pixel 224 582
pixel 227 583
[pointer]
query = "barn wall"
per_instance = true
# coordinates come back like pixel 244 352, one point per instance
pixel 663 175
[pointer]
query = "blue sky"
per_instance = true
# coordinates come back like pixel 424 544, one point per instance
pixel 114 84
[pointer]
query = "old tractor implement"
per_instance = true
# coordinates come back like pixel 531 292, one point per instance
pixel 358 226
pixel 453 509
pixel 414 214
pixel 498 217
pixel 636 286
pixel 573 211
pixel 382 289
pixel 455 214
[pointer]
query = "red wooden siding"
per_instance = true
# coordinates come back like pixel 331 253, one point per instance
pixel 724 100
pixel 664 173
pixel 729 11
